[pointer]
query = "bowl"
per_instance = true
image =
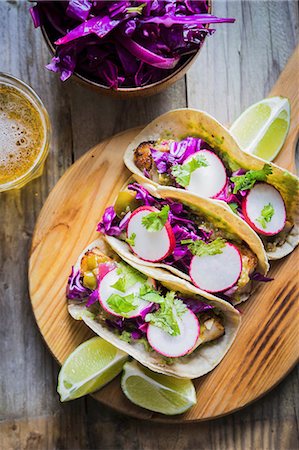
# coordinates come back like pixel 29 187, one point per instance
pixel 129 92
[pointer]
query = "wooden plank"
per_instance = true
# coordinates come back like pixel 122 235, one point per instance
pixel 27 370
pixel 252 428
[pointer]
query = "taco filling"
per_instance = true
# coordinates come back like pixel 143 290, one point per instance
pixel 193 165
pixel 140 310
pixel 165 231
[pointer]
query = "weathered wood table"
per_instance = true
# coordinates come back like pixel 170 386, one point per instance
pixel 237 67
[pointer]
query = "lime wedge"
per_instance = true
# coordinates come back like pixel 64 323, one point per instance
pixel 92 365
pixel 263 127
pixel 156 392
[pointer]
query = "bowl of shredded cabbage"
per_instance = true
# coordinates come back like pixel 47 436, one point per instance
pixel 124 48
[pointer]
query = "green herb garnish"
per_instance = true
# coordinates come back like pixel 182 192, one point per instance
pixel 136 9
pixel 248 180
pixel 167 315
pixel 131 239
pixel 125 336
pixel 200 248
pixel 182 172
pixel 122 304
pixel 234 207
pixel 155 221
pixel 128 277
pixel 266 215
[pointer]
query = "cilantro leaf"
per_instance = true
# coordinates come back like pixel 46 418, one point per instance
pixel 182 172
pixel 266 215
pixel 167 315
pixel 120 285
pixel 179 306
pixel 131 239
pixel 200 248
pixel 122 304
pixel 128 277
pixel 125 336
pixel 149 294
pixel 248 180
pixel 155 221
pixel 234 207
pixel 153 297
pixel 135 9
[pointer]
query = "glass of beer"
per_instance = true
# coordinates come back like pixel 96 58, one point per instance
pixel 24 133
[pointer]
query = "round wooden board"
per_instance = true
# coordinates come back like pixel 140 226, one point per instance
pixel 267 344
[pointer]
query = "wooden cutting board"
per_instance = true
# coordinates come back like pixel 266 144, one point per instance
pixel 266 348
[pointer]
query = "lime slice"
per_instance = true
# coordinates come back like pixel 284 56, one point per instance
pixel 263 127
pixel 92 365
pixel 156 392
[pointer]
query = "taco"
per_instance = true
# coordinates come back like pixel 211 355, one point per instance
pixel 161 321
pixel 190 150
pixel 195 238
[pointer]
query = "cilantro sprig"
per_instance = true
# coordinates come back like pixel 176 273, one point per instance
pixel 167 315
pixel 182 172
pixel 234 207
pixel 170 309
pixel 128 277
pixel 248 180
pixel 131 239
pixel 201 248
pixel 266 215
pixel 122 304
pixel 155 221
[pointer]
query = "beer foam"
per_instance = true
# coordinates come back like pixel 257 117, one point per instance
pixel 21 134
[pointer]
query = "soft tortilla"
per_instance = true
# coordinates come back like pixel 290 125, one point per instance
pixel 180 123
pixel 201 361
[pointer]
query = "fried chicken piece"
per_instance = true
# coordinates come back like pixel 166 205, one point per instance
pixel 142 156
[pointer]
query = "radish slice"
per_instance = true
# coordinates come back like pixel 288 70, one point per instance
pixel 174 346
pixel 216 273
pixel 105 290
pixel 150 246
pixel 207 181
pixel 261 195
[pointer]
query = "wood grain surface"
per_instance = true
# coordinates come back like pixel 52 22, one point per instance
pixel 237 66
pixel 267 344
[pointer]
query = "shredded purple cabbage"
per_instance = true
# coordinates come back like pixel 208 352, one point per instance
pixel 110 224
pixel 137 326
pixel 256 276
pixel 75 290
pixel 185 148
pixel 93 298
pixel 178 153
pixel 117 323
pixel 196 306
pixel 78 9
pixel 142 194
pixel 123 43
pixel 163 160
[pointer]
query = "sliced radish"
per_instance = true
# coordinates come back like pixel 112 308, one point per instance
pixel 261 195
pixel 216 273
pixel 150 246
pixel 105 291
pixel 174 346
pixel 207 181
